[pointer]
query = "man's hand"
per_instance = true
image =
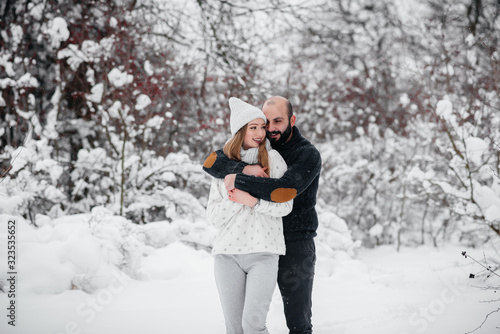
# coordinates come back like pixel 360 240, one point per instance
pixel 242 197
pixel 255 170
pixel 229 181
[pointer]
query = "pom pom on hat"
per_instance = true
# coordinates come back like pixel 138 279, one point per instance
pixel 242 113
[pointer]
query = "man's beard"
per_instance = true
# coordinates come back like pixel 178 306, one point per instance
pixel 282 138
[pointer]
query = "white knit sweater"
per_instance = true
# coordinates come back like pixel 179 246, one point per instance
pixel 242 229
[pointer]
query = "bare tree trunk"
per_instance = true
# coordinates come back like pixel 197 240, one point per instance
pixel 122 183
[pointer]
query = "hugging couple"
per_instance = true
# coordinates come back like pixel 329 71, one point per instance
pixel 262 201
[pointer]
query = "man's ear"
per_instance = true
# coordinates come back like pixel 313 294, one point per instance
pixel 292 120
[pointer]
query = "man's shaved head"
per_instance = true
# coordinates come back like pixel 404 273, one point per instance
pixel 280 120
pixel 279 101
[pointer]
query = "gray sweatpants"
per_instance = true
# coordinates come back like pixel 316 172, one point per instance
pixel 246 284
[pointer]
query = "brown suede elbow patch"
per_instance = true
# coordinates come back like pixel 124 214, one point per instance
pixel 210 160
pixel 281 195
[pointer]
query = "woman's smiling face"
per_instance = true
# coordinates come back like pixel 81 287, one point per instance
pixel 255 133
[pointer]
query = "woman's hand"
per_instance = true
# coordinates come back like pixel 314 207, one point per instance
pixel 229 181
pixel 255 170
pixel 242 197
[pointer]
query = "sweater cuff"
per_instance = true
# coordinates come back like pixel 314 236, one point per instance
pixel 241 183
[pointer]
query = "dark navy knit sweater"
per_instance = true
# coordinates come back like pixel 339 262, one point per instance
pixel 304 166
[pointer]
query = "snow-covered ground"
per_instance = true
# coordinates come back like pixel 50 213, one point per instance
pixel 68 281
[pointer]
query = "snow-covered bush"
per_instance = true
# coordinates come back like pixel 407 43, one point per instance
pixel 88 251
pixel 33 183
pixel 367 182
pixel 334 233
pixel 471 183
pixel 155 188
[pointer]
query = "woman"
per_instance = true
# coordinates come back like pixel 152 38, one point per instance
pixel 250 231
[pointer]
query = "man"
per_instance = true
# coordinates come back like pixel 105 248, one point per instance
pixel 300 182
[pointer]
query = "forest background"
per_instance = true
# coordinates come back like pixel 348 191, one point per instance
pixel 116 104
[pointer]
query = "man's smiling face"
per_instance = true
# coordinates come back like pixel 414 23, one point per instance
pixel 279 125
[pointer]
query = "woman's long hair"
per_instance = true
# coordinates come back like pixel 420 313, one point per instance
pixel 233 147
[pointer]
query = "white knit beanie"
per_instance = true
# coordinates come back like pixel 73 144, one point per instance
pixel 242 113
